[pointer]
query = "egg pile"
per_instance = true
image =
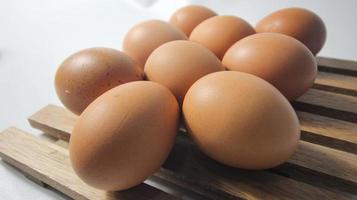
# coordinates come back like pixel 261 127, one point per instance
pixel 229 82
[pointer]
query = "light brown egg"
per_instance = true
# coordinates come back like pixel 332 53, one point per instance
pixel 87 74
pixel 220 32
pixel 279 59
pixel 241 120
pixel 178 64
pixel 146 36
pixel 124 136
pixel 302 24
pixel 188 17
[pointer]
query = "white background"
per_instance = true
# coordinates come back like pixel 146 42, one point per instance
pixel 35 37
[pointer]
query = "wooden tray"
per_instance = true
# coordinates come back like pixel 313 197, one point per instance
pixel 323 167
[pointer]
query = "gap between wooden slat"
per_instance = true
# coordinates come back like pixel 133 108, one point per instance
pixel 50 164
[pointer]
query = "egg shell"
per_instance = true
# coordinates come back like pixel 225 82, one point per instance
pixel 146 36
pixel 241 120
pixel 279 59
pixel 87 74
pixel 178 64
pixel 188 17
pixel 220 32
pixel 124 136
pixel 302 24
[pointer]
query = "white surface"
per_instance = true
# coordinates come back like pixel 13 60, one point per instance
pixel 35 36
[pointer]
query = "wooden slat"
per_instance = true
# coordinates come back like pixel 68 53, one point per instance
pixel 50 164
pixel 336 80
pixel 315 156
pixel 188 164
pixel 330 100
pixel 343 131
pixel 189 168
pixel 58 128
pixel 304 150
pixel 326 160
pixel 337 63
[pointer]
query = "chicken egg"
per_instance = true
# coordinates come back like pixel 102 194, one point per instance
pixel 124 136
pixel 178 64
pixel 220 32
pixel 302 24
pixel 87 74
pixel 279 59
pixel 146 36
pixel 241 120
pixel 188 17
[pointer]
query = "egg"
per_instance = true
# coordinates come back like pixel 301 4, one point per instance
pixel 302 24
pixel 146 36
pixel 188 17
pixel 178 64
pixel 241 120
pixel 124 136
pixel 220 32
pixel 87 74
pixel 279 59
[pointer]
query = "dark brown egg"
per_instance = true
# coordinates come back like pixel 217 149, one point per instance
pixel 241 120
pixel 124 135
pixel 85 75
pixel 188 17
pixel 178 64
pixel 302 24
pixel 279 59
pixel 220 32
pixel 146 36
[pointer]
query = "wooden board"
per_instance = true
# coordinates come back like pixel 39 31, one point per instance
pixel 309 155
pixel 50 164
pixel 312 153
pixel 337 75
pixel 336 80
pixel 334 65
pixel 323 167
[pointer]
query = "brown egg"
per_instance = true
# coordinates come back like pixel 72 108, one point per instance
pixel 302 24
pixel 188 17
pixel 220 32
pixel 279 59
pixel 124 136
pixel 146 36
pixel 241 120
pixel 178 64
pixel 87 74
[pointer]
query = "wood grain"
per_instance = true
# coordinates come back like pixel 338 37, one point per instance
pixel 330 100
pixel 326 160
pixel 189 168
pixel 336 80
pixel 187 163
pixel 50 164
pixel 54 120
pixel 329 131
pixel 337 63
pixel 314 157
pixel 312 152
